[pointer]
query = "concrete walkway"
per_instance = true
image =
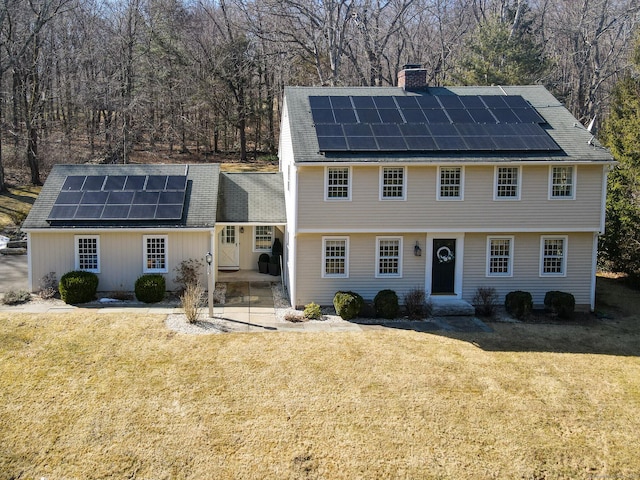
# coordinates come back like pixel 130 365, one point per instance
pixel 249 307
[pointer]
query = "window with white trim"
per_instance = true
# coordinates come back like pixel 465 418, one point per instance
pixel 155 254
pixel 338 183
pixel 335 257
pixel 450 183
pixel 262 238
pixel 392 183
pixel 507 183
pixel 389 256
pixel 553 256
pixel 499 256
pixel 87 253
pixel 562 182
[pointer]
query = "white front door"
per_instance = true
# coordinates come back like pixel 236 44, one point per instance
pixel 228 251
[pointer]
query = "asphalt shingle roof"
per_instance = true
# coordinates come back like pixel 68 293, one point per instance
pixel 568 133
pixel 200 203
pixel 251 198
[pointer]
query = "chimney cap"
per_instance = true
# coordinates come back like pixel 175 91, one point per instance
pixel 411 66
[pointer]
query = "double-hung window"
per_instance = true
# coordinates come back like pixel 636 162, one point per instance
pixel 155 254
pixel 389 257
pixel 392 183
pixel 87 253
pixel 338 183
pixel 450 183
pixel 262 238
pixel 562 182
pixel 553 256
pixel 507 183
pixel 335 257
pixel 499 256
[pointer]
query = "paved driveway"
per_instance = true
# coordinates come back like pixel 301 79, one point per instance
pixel 13 272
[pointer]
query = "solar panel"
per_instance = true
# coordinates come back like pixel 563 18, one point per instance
pixel 121 197
pixel 425 123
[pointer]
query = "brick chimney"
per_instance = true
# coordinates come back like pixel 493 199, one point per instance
pixel 412 77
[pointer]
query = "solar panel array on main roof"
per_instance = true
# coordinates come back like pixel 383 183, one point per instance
pixel 120 197
pixel 428 123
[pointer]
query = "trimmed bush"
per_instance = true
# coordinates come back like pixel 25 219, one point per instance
pixel 312 311
pixel 518 304
pixel 16 297
pixel 78 287
pixel 386 304
pixel 562 304
pixel 414 302
pixel 348 304
pixel 485 301
pixel 150 288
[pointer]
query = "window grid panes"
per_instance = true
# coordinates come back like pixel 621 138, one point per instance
pixel 264 238
pixel 500 256
pixel 562 182
pixel 156 254
pixel 450 181
pixel 335 257
pixel 507 182
pixel 393 183
pixel 553 256
pixel 88 254
pixel 338 183
pixel 389 257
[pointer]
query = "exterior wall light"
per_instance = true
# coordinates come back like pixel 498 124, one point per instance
pixel 417 251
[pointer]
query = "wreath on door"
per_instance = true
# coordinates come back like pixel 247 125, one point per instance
pixel 444 255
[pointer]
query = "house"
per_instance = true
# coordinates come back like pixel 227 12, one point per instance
pixel 122 221
pixel 442 189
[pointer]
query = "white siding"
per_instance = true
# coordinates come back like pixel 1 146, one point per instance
pixel 526 268
pixel 121 256
pixel 478 210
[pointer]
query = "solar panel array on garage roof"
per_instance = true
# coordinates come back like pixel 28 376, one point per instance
pixel 426 123
pixel 120 197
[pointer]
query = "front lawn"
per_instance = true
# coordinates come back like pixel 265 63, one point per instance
pixel 94 395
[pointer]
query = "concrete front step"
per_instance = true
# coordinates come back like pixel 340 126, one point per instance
pixel 451 307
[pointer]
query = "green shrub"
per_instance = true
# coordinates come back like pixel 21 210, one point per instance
pixel 386 304
pixel 16 297
pixel 150 288
pixel 518 304
pixel 78 287
pixel 312 311
pixel 414 302
pixel 485 301
pixel 562 304
pixel 347 304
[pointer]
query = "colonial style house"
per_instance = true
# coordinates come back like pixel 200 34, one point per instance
pixel 442 189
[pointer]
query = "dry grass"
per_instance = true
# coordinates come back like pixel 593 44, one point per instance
pixel 16 203
pixel 94 395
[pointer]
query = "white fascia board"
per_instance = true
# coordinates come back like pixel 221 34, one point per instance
pixel 455 161
pixel 96 231
pixel 326 231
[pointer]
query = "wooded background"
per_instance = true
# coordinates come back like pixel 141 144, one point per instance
pixel 99 80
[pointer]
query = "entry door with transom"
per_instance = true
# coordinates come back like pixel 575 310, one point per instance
pixel 228 251
pixel 443 269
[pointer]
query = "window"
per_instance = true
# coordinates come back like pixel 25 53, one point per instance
pixel 263 238
pixel 392 183
pixel 389 257
pixel 562 182
pixel 499 256
pixel 338 183
pixel 88 253
pixel 335 257
pixel 553 254
pixel 507 183
pixel 155 254
pixel 450 183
